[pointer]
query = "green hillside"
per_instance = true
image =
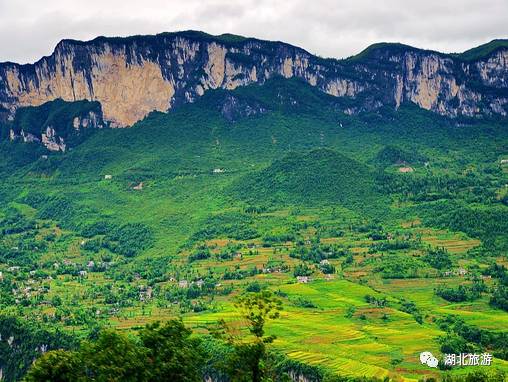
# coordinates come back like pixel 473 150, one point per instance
pixel 397 218
pixel 317 177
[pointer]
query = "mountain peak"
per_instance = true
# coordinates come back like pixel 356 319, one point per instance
pixel 382 47
pixel 484 50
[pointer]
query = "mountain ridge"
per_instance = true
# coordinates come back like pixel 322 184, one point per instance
pixel 133 76
pixel 497 43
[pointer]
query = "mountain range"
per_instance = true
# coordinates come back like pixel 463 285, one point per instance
pixel 131 77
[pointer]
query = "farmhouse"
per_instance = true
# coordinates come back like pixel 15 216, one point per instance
pixel 303 279
pixel 108 177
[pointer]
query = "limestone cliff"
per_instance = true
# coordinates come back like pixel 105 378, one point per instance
pixel 55 124
pixel 130 77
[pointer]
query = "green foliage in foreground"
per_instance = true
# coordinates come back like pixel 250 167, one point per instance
pixel 170 352
pixel 159 353
pixel 23 341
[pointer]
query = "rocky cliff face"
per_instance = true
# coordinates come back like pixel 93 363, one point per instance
pixel 54 124
pixel 132 77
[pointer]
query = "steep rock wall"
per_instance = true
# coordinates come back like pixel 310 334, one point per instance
pixel 133 76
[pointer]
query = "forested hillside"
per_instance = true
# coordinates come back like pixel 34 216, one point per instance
pixel 379 236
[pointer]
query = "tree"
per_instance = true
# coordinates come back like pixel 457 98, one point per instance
pixel 257 308
pixel 160 353
pixel 499 297
pixel 173 355
pixel 115 357
pixel 249 361
pixel 438 258
pixel 56 366
pixel 302 270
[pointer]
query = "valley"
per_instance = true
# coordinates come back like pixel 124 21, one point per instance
pixel 183 212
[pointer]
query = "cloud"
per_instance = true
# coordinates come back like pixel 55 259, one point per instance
pixel 29 30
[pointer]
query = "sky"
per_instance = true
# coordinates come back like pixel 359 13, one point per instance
pixel 30 29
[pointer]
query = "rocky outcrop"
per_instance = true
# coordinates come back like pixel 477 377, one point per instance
pixel 131 77
pixel 233 108
pixel 55 123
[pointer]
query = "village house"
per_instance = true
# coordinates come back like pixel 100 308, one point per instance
pixel 303 279
pixel 183 284
pixel 145 293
